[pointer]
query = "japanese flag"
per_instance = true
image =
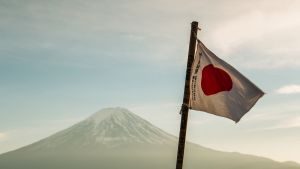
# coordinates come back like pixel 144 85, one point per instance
pixel 218 88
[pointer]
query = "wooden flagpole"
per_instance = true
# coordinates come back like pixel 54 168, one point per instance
pixel 186 96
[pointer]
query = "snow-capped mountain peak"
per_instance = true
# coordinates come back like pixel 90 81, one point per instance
pixel 119 125
pixel 110 127
pixel 107 113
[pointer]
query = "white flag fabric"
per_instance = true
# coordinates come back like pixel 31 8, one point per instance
pixel 218 88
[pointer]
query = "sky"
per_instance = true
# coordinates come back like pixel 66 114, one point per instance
pixel 61 61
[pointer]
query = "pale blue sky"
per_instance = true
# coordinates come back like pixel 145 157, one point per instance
pixel 60 61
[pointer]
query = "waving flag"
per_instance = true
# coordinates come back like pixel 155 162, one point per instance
pixel 218 88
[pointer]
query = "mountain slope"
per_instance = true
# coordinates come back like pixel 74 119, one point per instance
pixel 108 128
pixel 115 138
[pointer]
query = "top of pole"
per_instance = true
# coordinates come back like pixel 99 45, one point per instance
pixel 195 22
pixel 191 54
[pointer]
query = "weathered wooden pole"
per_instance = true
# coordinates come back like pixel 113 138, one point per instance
pixel 186 96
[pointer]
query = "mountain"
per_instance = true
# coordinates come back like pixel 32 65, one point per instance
pixel 115 138
pixel 108 128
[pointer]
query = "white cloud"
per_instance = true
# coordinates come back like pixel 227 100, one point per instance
pixel 3 136
pixel 255 24
pixel 289 89
pixel 293 122
pixel 267 36
pixel 236 31
pixel 290 123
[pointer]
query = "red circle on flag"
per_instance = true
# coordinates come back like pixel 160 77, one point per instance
pixel 215 80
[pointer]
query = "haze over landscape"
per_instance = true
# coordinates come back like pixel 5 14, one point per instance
pixel 117 138
pixel 62 60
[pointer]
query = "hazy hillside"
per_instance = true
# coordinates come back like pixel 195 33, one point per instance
pixel 115 138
